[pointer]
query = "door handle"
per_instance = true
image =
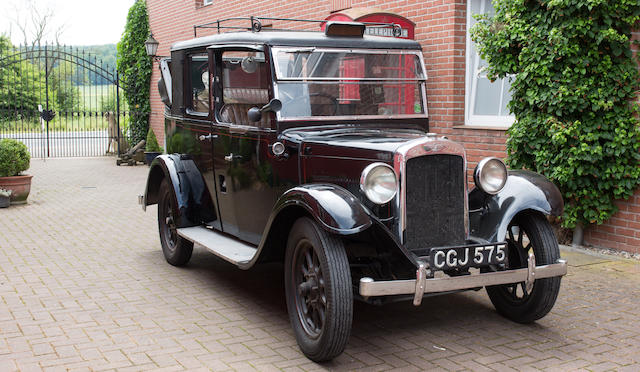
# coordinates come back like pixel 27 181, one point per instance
pixel 231 157
pixel 207 137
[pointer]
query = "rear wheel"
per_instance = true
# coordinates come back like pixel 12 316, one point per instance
pixel 528 233
pixel 176 249
pixel 318 290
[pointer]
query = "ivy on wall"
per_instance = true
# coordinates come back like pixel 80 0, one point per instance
pixel 134 66
pixel 573 95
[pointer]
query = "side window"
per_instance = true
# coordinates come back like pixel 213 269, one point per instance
pixel 199 83
pixel 245 82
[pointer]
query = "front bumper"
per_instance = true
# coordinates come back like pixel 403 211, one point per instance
pixel 421 285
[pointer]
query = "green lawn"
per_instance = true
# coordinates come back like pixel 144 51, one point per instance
pixel 92 96
pixel 65 122
pixel 88 116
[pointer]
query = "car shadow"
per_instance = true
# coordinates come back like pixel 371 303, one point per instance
pixel 446 324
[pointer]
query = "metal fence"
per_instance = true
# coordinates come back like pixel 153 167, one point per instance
pixel 61 102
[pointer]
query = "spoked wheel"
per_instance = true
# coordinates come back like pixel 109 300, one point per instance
pixel 310 298
pixel 318 290
pixel 177 250
pixel 528 233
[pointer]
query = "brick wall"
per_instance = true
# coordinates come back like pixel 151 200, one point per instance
pixel 440 28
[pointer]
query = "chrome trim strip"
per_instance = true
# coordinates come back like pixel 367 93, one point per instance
pixel 342 80
pixel 350 117
pixel 371 288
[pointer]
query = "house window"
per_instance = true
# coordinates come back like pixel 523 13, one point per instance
pixel 485 102
pixel 207 2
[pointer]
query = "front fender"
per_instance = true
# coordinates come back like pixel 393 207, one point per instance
pixel 490 215
pixel 184 177
pixel 333 207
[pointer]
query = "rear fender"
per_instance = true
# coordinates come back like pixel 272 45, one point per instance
pixel 190 192
pixel 490 215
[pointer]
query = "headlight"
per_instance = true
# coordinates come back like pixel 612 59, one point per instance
pixel 378 181
pixel 490 175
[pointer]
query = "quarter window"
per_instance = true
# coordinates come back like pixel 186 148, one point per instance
pixel 199 81
pixel 486 102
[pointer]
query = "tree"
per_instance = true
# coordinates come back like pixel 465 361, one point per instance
pixel 21 83
pixel 574 83
pixel 135 66
pixel 35 24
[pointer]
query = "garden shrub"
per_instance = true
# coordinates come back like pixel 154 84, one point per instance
pixel 152 142
pixel 14 157
pixel 573 91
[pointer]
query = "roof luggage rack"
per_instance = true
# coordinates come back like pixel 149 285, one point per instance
pixel 256 24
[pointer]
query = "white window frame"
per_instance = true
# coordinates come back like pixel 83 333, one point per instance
pixel 207 2
pixel 471 67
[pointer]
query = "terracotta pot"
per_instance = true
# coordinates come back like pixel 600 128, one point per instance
pixel 20 187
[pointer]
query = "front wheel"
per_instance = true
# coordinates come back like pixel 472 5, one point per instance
pixel 318 290
pixel 176 249
pixel 528 232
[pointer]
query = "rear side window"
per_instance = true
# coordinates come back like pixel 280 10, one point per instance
pixel 199 81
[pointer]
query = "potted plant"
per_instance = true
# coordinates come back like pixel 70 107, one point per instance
pixel 152 148
pixel 5 198
pixel 15 159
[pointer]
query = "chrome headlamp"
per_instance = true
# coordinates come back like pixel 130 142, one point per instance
pixel 490 175
pixel 379 183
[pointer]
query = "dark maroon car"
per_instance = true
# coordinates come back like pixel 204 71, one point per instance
pixel 313 149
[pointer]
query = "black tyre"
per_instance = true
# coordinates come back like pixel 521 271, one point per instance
pixel 528 232
pixel 177 250
pixel 318 290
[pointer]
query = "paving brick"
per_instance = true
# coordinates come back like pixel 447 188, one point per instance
pixel 84 286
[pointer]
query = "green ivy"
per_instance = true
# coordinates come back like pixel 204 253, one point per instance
pixel 573 95
pixel 134 66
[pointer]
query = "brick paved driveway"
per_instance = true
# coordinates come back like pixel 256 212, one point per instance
pixel 84 286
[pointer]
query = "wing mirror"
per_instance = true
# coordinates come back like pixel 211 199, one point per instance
pixel 255 114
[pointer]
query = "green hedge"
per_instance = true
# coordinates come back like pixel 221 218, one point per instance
pixel 573 95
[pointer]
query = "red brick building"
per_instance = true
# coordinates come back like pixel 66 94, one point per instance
pixel 462 104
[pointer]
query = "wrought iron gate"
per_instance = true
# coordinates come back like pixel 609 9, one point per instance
pixel 61 102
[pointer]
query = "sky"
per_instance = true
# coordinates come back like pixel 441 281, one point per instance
pixel 84 22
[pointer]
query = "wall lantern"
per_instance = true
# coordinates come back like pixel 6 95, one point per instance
pixel 151 45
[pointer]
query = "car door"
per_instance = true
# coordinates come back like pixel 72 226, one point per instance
pixel 243 165
pixel 190 134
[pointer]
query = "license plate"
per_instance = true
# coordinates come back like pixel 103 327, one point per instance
pixel 479 255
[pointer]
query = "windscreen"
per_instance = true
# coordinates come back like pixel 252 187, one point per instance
pixel 316 83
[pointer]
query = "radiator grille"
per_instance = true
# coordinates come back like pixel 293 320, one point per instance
pixel 435 201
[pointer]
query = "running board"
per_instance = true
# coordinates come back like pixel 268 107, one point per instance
pixel 229 249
